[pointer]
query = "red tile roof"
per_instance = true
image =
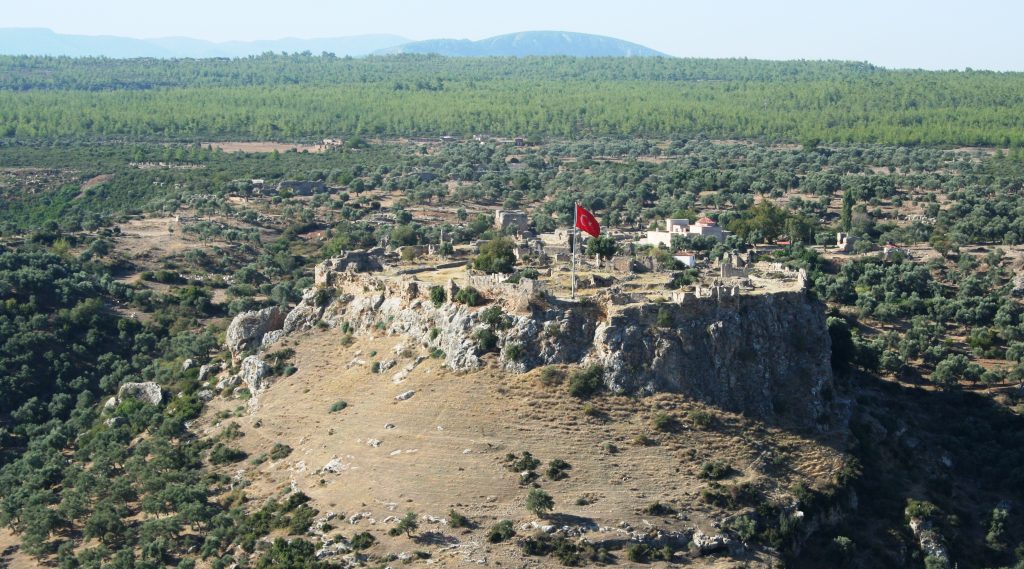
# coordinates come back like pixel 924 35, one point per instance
pixel 705 221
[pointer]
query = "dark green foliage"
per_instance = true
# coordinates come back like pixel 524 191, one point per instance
pixel 496 256
pixel 223 454
pixel 500 532
pixel 715 470
pixel 493 316
pixel 551 376
pixel 557 469
pixel 665 422
pixel 664 319
pixel 362 540
pixel 744 527
pixel 604 247
pixel 568 553
pixel 722 98
pixel 468 296
pixel 539 502
pixel 457 520
pixel 522 463
pixel 437 295
pixel 406 525
pixel 586 382
pixel 340 405
pixel 700 419
pixel 659 509
pixel 514 351
pixel 486 340
pixel 293 554
pixel 280 451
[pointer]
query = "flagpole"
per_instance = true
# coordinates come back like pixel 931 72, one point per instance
pixel 575 212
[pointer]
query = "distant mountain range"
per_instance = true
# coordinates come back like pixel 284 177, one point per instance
pixel 529 43
pixel 41 41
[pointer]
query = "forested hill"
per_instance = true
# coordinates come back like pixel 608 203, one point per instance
pixel 100 73
pixel 530 43
pixel 303 97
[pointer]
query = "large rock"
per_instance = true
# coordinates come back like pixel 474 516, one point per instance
pixel 254 374
pixel 762 355
pixel 248 328
pixel 207 371
pixel 148 392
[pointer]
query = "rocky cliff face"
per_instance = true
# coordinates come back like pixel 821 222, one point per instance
pixel 763 355
pixel 767 356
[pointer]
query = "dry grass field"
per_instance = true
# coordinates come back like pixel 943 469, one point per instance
pixel 444 447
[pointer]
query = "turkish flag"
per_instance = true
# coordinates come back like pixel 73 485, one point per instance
pixel 586 221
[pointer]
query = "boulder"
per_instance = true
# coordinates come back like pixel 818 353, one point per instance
pixel 404 396
pixel 205 371
pixel 115 422
pixel 187 364
pixel 205 395
pixel 228 382
pixel 248 328
pixel 254 374
pixel 147 391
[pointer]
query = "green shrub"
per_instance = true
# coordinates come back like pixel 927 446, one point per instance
pixel 338 406
pixel 521 463
pixel 743 526
pixel 486 340
pixel 665 319
pixel 469 296
pixel 492 316
pixel 586 382
pixel 501 531
pixel 360 541
pixel 714 470
pixel 638 552
pixel 457 520
pixel 280 451
pixel 700 419
pixel 222 454
pixel 659 509
pixel 557 469
pixel 514 351
pixel 551 376
pixel 437 295
pixel 664 422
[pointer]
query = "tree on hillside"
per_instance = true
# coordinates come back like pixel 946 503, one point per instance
pixel 539 502
pixel 496 256
pixel 604 247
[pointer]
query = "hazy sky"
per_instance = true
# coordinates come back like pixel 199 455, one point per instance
pixel 936 34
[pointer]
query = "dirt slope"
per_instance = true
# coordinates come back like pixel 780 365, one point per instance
pixel 444 448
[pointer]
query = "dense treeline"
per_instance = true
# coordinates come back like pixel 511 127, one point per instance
pixel 406 71
pixel 304 97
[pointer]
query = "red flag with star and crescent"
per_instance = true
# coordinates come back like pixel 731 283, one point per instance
pixel 586 221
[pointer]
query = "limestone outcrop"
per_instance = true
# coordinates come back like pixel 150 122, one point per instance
pixel 254 374
pixel 146 391
pixel 247 329
pixel 766 355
